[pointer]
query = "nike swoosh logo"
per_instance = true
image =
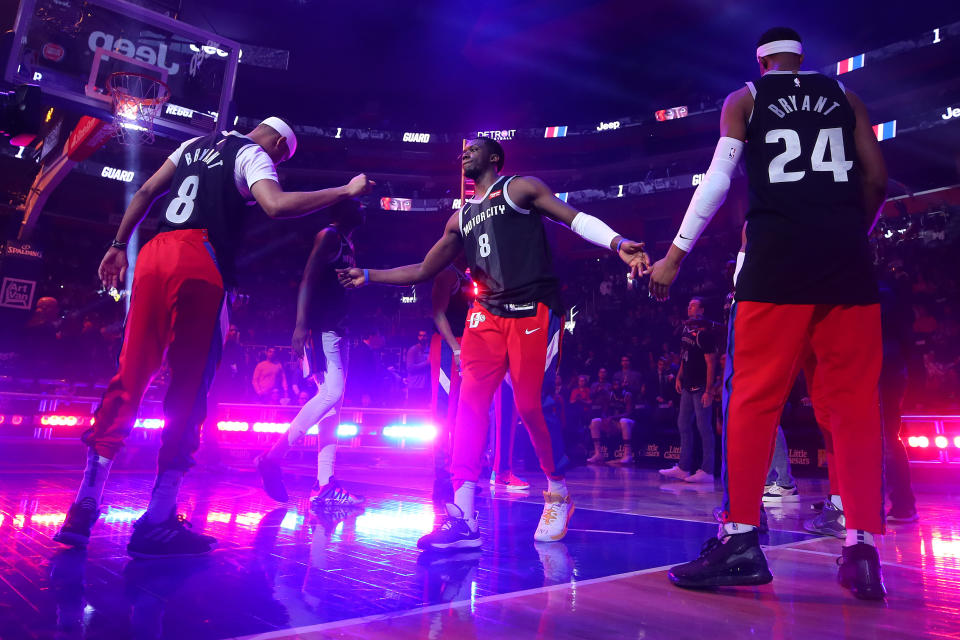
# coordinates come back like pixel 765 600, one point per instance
pixel 529 331
pixel 683 237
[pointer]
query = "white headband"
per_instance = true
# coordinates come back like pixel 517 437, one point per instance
pixel 780 46
pixel 284 130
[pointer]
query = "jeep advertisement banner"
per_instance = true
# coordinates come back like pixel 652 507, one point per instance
pixel 62 37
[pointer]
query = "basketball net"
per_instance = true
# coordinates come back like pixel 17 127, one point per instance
pixel 137 101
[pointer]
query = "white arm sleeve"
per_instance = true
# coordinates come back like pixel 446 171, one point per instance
pixel 593 230
pixel 736 272
pixel 710 194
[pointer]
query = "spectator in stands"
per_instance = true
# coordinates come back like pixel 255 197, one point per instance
pixel 269 379
pixel 418 370
pixel 600 392
pixel 628 378
pixel 696 383
pixel 615 420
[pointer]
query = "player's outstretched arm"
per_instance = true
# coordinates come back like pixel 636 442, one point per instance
pixel 710 194
pixel 278 203
pixel 533 193
pixel 113 267
pixel 440 255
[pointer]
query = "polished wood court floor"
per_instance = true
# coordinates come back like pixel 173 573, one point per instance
pixel 282 572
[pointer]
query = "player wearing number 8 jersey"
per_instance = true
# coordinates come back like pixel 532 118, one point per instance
pixel 177 311
pixel 514 325
pixel 816 182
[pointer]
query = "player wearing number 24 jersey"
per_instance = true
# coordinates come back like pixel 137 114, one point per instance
pixel 817 181
pixel 515 325
pixel 178 312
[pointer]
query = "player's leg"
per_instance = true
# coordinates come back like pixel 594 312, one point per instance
pixel 767 343
pixel 483 356
pixel 337 355
pixel 533 350
pixel 325 353
pixel 704 421
pixel 445 377
pixel 624 427
pixel 596 434
pixel 144 340
pixel 198 321
pixel 830 520
pixel 847 343
pixel 505 437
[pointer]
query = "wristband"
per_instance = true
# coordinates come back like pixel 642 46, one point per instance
pixel 622 240
pixel 366 276
pixel 116 244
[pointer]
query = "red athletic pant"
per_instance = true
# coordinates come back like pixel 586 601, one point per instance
pixel 529 348
pixel 175 308
pixel 770 341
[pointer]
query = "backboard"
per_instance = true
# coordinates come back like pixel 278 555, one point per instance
pixel 70 47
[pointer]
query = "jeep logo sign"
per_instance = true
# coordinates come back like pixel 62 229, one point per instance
pixel 156 57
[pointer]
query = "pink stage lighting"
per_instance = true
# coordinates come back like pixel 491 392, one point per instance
pixel 421 432
pixel 941 442
pixel 232 425
pixel 270 427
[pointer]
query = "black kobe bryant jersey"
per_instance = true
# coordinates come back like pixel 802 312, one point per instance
pixel 329 308
pixel 204 195
pixel 806 224
pixel 508 254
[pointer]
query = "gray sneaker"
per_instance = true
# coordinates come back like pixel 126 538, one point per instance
pixel 829 522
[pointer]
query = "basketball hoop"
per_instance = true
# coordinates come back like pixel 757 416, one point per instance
pixel 137 100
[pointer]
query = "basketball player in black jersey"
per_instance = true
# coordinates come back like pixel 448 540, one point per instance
pixel 514 325
pixel 178 312
pixel 817 181
pixel 320 339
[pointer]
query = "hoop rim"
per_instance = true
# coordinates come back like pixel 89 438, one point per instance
pixel 118 93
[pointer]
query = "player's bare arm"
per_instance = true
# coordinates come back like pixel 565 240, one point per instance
pixel 529 192
pixel 278 203
pixel 441 255
pixel 873 170
pixel 325 248
pixel 113 267
pixel 710 194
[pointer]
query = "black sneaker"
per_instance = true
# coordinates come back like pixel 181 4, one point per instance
pixel 898 514
pixel 452 533
pixel 332 495
pixel 171 538
pixel 860 572
pixel 272 477
pixel 76 528
pixel 736 560
pixel 829 522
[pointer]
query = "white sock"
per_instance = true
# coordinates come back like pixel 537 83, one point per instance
pixel 94 477
pixel 325 458
pixel 463 498
pixel 163 500
pixel 733 528
pixel 837 502
pixel 558 487
pixel 859 536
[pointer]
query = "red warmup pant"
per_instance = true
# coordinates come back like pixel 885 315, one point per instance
pixel 770 341
pixel 175 307
pixel 529 348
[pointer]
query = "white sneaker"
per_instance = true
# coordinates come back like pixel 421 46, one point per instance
pixel 596 458
pixel 700 477
pixel 675 472
pixel 774 493
pixel 557 510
